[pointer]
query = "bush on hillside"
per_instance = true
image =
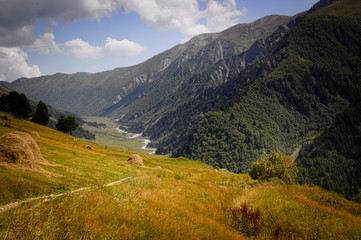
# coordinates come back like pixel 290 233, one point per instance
pixel 275 166
pixel 66 124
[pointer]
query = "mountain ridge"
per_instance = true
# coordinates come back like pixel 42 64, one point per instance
pixel 93 94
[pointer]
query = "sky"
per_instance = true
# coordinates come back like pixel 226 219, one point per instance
pixel 44 37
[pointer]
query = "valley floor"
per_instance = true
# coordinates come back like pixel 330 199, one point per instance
pixel 112 136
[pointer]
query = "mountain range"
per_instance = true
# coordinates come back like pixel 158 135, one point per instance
pixel 131 92
pixel 226 98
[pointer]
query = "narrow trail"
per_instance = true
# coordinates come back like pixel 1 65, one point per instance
pixel 52 196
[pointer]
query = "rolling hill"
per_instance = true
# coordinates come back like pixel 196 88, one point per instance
pixel 92 194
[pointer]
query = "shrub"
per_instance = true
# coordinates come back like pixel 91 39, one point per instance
pixel 275 166
pixel 246 220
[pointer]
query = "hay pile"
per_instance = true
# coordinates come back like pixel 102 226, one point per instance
pixel 136 160
pixel 20 150
pixel 35 134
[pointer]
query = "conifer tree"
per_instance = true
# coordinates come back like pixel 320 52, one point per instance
pixel 18 105
pixel 41 115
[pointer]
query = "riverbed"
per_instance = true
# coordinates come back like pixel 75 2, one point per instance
pixel 138 136
pixel 113 136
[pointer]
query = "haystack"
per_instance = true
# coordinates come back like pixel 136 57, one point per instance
pixel 136 160
pixel 35 134
pixel 20 150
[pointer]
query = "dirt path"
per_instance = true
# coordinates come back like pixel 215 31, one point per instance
pixel 16 204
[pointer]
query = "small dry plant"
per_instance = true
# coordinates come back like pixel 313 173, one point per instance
pixel 246 220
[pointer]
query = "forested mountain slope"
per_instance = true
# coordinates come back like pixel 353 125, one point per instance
pixel 293 91
pixel 203 95
pixel 333 160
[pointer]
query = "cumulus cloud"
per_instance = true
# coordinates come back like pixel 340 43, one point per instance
pixel 186 16
pixel 45 43
pixel 18 17
pixel 83 50
pixel 13 65
pixel 220 16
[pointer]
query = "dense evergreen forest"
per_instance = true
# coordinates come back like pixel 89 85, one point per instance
pixel 289 94
pixel 332 160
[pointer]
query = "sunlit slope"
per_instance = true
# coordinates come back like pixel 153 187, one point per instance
pixel 166 199
pixel 4 89
pixel 344 8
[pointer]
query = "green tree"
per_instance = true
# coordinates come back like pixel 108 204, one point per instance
pixel 18 105
pixel 66 124
pixel 41 115
pixel 275 166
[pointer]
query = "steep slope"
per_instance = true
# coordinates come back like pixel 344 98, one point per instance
pixel 146 108
pixel 294 90
pixel 204 94
pixel 4 90
pixel 332 160
pixel 131 92
pixel 345 8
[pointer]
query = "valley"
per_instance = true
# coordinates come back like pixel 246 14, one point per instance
pixel 229 97
pixel 252 132
pixel 111 135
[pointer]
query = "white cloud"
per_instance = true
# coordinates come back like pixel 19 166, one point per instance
pixel 45 44
pixel 13 65
pixel 186 16
pixel 18 17
pixel 83 50
pixel 220 16
pixel 123 47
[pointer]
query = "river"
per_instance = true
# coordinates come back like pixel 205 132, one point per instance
pixel 140 137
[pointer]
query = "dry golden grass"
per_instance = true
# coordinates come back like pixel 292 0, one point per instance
pixel 302 212
pixel 180 199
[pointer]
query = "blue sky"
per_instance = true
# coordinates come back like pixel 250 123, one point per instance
pixel 42 37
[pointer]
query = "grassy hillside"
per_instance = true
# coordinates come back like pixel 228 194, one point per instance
pixel 4 89
pixel 180 199
pixel 344 8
